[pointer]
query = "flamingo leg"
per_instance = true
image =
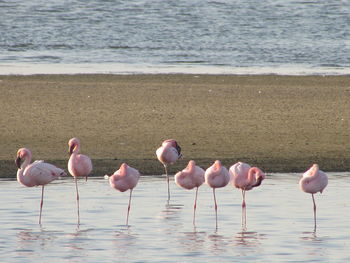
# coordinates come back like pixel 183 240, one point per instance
pixel 243 198
pixel 41 203
pixel 127 217
pixel 195 207
pixel 244 211
pixel 167 178
pixel 76 187
pixel 313 200
pixel 216 209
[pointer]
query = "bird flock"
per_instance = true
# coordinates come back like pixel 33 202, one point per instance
pixel 241 175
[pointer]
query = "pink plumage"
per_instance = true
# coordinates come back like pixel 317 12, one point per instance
pixel 190 177
pixel 245 177
pixel 79 165
pixel 216 176
pixel 313 180
pixel 168 153
pixel 36 173
pixel 125 178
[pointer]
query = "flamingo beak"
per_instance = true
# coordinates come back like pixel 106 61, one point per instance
pixel 178 148
pixel 18 162
pixel 71 148
pixel 258 182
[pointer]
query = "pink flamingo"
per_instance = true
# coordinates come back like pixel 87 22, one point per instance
pixel 167 154
pixel 35 174
pixel 314 180
pixel 245 177
pixel 126 178
pixel 216 176
pixel 190 177
pixel 78 165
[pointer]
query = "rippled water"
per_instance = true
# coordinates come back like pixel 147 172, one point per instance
pixel 174 36
pixel 279 223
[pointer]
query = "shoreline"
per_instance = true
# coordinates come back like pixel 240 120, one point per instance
pixel 28 69
pixel 279 123
pixel 152 167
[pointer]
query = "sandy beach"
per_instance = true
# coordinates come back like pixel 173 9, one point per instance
pixel 279 123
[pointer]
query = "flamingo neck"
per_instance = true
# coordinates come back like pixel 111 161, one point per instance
pixel 253 175
pixel 76 148
pixel 311 174
pixel 27 159
pixel 217 166
pixel 123 169
pixel 314 171
pixel 191 166
pixel 25 180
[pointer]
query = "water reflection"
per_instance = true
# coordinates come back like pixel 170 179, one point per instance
pixel 171 211
pixel 76 242
pixel 29 241
pixel 312 244
pixel 124 243
pixel 310 236
pixel 192 241
pixel 244 218
pixel 248 239
pixel 170 216
pixel 163 232
pixel 248 242
pixel 218 243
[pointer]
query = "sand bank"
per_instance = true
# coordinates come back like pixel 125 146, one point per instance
pixel 280 123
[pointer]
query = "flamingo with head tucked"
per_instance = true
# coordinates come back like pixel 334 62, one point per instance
pixel 190 177
pixel 168 153
pixel 245 177
pixel 217 176
pixel 79 165
pixel 125 178
pixel 314 180
pixel 36 173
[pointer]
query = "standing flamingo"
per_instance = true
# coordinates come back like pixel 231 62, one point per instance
pixel 314 180
pixel 126 178
pixel 190 177
pixel 216 176
pixel 167 154
pixel 35 174
pixel 78 165
pixel 245 177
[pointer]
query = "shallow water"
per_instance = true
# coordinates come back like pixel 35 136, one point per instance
pixel 279 223
pixel 175 36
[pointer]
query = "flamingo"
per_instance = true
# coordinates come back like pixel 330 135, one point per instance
pixel 190 177
pixel 216 176
pixel 314 180
pixel 36 173
pixel 167 154
pixel 78 165
pixel 126 178
pixel 245 177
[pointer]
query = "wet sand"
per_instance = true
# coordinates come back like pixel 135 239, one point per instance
pixel 280 123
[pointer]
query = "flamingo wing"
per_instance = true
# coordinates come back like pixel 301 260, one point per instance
pixel 43 173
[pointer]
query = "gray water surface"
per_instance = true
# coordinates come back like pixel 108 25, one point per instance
pixel 222 34
pixel 279 223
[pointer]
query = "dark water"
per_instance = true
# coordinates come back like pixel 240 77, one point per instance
pixel 279 223
pixel 281 36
